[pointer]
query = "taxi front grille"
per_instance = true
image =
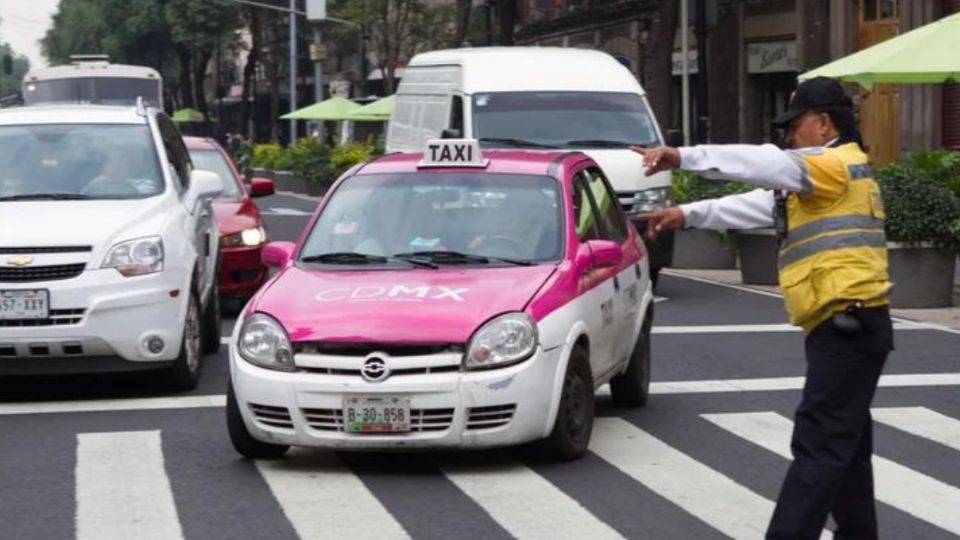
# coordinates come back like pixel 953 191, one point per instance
pixel 276 417
pixel 421 420
pixel 490 417
pixel 40 273
pixel 393 373
pixel 58 317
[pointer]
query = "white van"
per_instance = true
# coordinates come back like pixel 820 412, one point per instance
pixel 93 79
pixel 537 97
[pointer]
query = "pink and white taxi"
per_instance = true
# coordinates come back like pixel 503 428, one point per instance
pixel 457 298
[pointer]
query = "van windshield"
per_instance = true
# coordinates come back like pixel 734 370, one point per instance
pixel 100 90
pixel 562 120
pixel 78 161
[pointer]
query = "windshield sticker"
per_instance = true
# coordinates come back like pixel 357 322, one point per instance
pixel 482 100
pixel 346 227
pixel 397 293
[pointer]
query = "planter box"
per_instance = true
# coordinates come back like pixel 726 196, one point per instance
pixel 298 184
pixel 283 180
pixel 923 276
pixel 703 249
pixel 759 250
pixel 316 188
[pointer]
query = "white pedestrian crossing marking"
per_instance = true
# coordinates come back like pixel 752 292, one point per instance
pixel 922 422
pixel 122 490
pixel 701 491
pixel 526 504
pixel 275 211
pixel 322 498
pixel 913 492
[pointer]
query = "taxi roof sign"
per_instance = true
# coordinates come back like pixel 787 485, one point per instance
pixel 453 153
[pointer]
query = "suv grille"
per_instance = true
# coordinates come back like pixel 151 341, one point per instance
pixel 40 273
pixel 44 249
pixel 58 317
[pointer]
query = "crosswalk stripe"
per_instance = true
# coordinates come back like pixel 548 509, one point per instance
pixel 712 497
pixel 122 490
pixel 323 498
pixel 922 422
pixel 526 504
pixel 913 492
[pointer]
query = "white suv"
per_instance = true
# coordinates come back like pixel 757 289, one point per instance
pixel 108 249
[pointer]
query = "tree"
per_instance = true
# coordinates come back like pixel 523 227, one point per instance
pixel 10 84
pixel 399 29
pixel 507 15
pixel 658 64
pixel 464 9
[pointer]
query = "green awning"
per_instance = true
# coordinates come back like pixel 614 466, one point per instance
pixel 188 115
pixel 378 111
pixel 929 54
pixel 335 108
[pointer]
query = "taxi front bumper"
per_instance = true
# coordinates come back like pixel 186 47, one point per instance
pixel 476 409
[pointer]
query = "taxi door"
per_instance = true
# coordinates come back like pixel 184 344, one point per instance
pixel 600 284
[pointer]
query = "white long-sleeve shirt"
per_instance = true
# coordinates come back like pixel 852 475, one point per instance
pixel 764 165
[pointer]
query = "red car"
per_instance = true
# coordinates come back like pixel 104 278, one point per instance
pixel 242 234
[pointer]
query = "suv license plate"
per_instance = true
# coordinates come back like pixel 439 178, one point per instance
pixel 25 304
pixel 376 414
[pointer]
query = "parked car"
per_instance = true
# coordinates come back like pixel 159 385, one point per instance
pixel 108 248
pixel 242 233
pixel 449 299
pixel 538 97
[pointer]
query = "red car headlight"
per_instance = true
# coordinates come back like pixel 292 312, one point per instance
pixel 252 237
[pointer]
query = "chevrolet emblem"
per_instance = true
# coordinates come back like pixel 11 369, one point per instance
pixel 20 260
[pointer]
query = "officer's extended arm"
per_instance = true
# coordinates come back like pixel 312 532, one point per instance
pixel 750 210
pixel 763 165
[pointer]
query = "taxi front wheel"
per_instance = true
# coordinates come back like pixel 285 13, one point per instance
pixel 571 431
pixel 243 441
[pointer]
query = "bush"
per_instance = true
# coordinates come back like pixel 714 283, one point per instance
pixel 347 155
pixel 310 158
pixel 691 187
pixel 943 166
pixel 268 156
pixel 918 208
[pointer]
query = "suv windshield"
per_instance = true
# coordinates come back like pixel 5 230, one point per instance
pixel 211 160
pixel 73 161
pixel 562 120
pixel 446 218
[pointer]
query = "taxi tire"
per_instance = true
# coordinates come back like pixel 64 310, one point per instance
pixel 243 442
pixel 632 387
pixel 210 325
pixel 181 375
pixel 571 436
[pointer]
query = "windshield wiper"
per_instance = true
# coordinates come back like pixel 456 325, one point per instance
pixel 455 257
pixel 514 142
pixel 602 143
pixel 47 196
pixel 345 257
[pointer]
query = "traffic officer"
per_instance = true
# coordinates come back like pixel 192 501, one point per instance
pixel 821 197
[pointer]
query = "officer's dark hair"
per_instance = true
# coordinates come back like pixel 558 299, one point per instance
pixel 843 121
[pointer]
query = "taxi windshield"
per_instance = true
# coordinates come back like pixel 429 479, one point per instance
pixel 562 120
pixel 78 161
pixel 472 215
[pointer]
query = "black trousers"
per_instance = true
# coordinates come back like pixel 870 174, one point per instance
pixel 831 473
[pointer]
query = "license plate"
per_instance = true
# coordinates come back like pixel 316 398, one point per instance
pixel 376 414
pixel 25 304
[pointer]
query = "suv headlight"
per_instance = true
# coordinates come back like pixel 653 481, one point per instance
pixel 650 200
pixel 252 237
pixel 502 341
pixel 263 342
pixel 136 257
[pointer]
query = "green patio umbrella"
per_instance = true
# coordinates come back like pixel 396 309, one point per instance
pixel 378 111
pixel 188 115
pixel 929 54
pixel 335 108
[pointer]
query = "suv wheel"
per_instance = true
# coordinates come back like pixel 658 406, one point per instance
pixel 211 320
pixel 185 371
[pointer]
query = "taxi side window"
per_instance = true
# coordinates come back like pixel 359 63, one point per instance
pixel 585 217
pixel 178 160
pixel 614 224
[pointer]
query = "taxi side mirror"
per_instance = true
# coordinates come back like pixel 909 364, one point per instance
pixel 605 254
pixel 277 254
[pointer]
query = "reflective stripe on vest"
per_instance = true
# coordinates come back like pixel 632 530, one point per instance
pixel 830 224
pixel 855 239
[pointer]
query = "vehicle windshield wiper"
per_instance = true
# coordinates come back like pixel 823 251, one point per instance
pixel 345 257
pixel 603 143
pixel 455 257
pixel 514 142
pixel 47 196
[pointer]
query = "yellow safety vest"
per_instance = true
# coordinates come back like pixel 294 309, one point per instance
pixel 835 251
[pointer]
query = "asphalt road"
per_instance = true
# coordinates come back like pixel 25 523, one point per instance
pixel 112 455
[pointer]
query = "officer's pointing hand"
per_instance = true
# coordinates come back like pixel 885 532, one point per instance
pixel 662 158
pixel 662 220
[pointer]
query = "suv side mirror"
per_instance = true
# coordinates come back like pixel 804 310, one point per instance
pixel 451 133
pixel 674 138
pixel 203 185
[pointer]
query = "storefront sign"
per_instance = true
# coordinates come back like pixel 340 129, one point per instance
pixel 772 57
pixel 678 63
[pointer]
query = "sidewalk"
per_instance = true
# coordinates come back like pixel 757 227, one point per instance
pixel 949 317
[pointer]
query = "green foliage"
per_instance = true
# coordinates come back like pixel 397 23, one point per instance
pixel 309 158
pixel 943 166
pixel 690 187
pixel 267 156
pixel 347 155
pixel 11 83
pixel 918 208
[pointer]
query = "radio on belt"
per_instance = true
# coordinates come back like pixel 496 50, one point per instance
pixel 453 153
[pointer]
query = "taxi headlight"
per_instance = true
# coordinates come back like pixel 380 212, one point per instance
pixel 502 341
pixel 264 343
pixel 650 200
pixel 252 237
pixel 136 257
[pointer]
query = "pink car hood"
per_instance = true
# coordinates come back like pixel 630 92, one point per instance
pixel 408 306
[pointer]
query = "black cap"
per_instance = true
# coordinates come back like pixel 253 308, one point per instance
pixel 813 94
